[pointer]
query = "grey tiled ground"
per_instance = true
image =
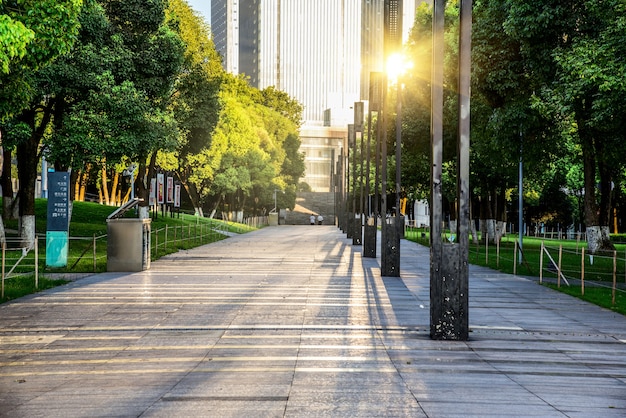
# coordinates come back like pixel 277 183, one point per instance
pixel 290 321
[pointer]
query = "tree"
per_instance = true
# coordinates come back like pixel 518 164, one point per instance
pixel 195 101
pixel 575 50
pixel 32 34
pixel 283 104
pixel 114 94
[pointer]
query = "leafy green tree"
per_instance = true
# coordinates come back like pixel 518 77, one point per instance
pixel 49 28
pixel 284 104
pixel 32 34
pixel 575 50
pixel 113 93
pixel 195 101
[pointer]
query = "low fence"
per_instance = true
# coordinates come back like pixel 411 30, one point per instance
pixel 89 254
pixel 607 270
pixel 561 262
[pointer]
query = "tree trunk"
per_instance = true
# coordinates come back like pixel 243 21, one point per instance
pixel 192 192
pixel 115 193
pixel 8 201
pixel 217 205
pixel 8 190
pixel 27 159
pixel 83 178
pixel 143 180
pixel 104 187
pixel 472 226
pixel 596 217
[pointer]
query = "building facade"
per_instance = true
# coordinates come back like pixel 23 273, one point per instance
pixel 320 52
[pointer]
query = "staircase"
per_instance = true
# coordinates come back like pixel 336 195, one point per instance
pixel 308 203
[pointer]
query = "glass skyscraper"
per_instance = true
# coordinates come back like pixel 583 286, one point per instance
pixel 318 51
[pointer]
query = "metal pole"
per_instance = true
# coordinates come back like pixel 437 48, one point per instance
pixel 349 184
pixel 520 206
pixel 383 186
pixel 358 128
pixel 44 178
pixel 369 235
pixel 356 223
pixel 398 148
pixel 436 137
pixel 449 262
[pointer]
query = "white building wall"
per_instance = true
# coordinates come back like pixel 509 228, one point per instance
pixel 311 50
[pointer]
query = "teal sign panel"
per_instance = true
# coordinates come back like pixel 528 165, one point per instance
pixel 57 247
pixel 58 201
pixel 57 235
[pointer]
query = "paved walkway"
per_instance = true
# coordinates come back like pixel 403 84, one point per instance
pixel 290 321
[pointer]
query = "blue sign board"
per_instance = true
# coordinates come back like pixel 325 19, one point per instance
pixel 57 235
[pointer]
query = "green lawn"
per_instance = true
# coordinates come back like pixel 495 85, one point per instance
pixel 598 270
pixel 88 244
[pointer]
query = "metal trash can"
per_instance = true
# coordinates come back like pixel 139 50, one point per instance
pixel 128 242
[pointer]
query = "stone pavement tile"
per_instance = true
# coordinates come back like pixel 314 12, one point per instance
pixel 303 327
pixel 200 408
pixel 108 411
pixel 352 410
pixel 478 409
pixel 347 380
pixel 206 386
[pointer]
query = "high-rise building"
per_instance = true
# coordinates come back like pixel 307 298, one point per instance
pixel 320 52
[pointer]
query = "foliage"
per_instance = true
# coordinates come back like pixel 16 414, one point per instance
pixel 573 52
pixel 283 104
pixel 547 85
pixel 32 34
pixel 112 92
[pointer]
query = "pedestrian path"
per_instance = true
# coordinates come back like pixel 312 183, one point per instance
pixel 290 321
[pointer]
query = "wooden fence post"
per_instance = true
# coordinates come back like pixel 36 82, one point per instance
pixel 515 258
pixel 487 248
pixel 582 272
pixel 614 277
pixel 36 262
pixel 558 280
pixel 541 264
pixel 94 252
pixel 497 253
pixel 4 248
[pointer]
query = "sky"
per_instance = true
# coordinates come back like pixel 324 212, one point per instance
pixel 203 7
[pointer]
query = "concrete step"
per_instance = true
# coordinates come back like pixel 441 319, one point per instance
pixel 308 203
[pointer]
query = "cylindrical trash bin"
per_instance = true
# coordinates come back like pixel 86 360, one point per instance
pixel 128 244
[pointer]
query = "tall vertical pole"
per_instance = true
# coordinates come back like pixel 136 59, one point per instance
pixel 398 147
pixel 461 329
pixel 375 104
pixel 348 213
pixel 449 264
pixel 357 238
pixel 384 254
pixel 520 205
pixel 44 177
pixel 436 138
pixel 390 246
